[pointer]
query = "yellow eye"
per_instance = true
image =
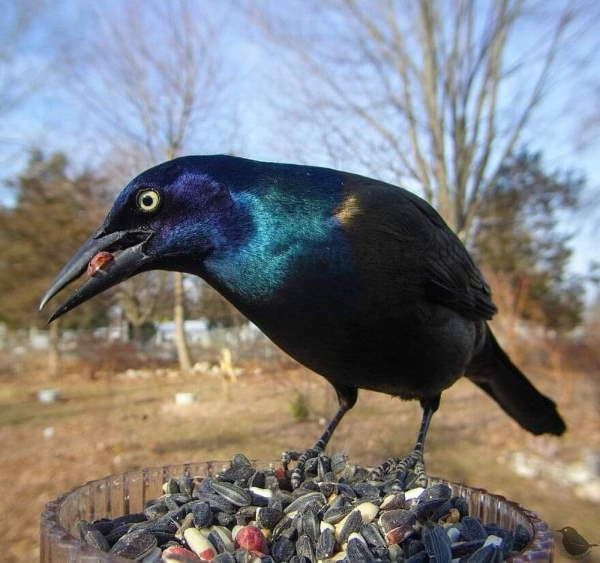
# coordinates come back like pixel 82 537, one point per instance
pixel 148 200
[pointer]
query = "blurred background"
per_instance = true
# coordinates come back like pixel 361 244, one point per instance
pixel 488 109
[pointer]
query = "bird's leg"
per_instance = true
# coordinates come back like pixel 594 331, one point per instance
pixel 346 398
pixel 414 460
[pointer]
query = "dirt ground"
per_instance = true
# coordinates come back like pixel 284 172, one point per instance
pixel 116 423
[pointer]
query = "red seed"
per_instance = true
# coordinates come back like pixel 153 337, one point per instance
pixel 398 535
pixel 199 544
pixel 252 539
pixel 207 555
pixel 180 555
pixel 98 261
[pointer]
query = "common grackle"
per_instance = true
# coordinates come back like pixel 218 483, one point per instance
pixel 361 281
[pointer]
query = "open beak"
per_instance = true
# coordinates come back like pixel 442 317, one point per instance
pixel 109 269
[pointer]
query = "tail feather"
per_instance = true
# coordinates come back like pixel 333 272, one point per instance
pixel 493 371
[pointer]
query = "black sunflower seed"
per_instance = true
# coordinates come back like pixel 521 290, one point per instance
pixel 135 545
pixel 283 549
pixel 235 495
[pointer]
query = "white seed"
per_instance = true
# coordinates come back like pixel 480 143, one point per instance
pixel 413 493
pixel 265 493
pixel 199 544
pixel 368 511
pixel 492 540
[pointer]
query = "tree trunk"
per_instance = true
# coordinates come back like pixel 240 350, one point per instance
pixel 183 352
pixel 136 330
pixel 53 350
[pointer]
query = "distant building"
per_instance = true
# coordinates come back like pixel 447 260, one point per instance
pixel 194 330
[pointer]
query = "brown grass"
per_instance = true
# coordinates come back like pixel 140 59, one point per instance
pixel 109 424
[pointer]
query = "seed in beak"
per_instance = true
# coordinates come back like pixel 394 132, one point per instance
pixel 97 262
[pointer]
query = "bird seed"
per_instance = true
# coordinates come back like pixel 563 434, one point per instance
pixel 243 515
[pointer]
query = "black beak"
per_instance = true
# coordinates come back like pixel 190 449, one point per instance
pixel 130 261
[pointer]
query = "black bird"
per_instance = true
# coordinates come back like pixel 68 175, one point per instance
pixel 574 543
pixel 360 281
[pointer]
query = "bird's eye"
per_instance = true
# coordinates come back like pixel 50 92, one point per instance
pixel 148 200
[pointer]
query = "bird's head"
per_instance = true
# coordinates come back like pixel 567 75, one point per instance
pixel 170 217
pixel 566 530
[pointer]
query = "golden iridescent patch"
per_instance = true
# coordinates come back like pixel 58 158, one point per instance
pixel 349 209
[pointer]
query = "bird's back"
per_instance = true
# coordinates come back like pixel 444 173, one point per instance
pixel 395 239
pixel 412 244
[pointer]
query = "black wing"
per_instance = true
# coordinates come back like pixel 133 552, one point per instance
pixel 453 279
pixel 414 242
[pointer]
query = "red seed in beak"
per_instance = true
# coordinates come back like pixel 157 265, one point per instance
pixel 98 261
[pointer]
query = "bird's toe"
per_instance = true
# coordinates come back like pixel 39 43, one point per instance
pixel 288 456
pixel 409 469
pixel 301 460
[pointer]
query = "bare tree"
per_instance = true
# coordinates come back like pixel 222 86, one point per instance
pixel 434 94
pixel 17 77
pixel 153 76
pixel 30 244
pixel 140 300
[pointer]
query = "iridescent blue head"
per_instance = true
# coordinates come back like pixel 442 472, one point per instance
pixel 185 210
pixel 170 217
pixel 247 227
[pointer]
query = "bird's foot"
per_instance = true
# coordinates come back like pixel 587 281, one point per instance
pixel 402 467
pixel 300 459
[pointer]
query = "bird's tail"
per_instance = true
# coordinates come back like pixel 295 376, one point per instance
pixel 493 371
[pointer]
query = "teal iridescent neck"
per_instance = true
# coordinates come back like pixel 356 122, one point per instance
pixel 289 227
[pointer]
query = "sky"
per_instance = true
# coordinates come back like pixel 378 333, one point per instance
pixel 53 119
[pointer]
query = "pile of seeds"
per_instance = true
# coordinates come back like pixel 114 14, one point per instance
pixel 337 514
